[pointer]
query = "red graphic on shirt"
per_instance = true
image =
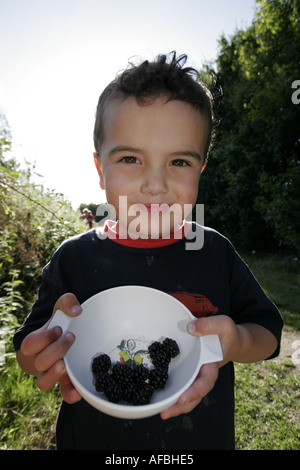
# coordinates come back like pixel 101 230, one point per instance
pixel 199 305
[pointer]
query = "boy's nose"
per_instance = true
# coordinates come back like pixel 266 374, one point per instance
pixel 154 183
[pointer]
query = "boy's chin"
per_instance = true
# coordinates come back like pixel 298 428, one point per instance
pixel 150 221
pixel 148 229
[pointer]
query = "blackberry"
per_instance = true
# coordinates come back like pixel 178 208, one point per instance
pixel 128 392
pixel 154 348
pixel 142 395
pixel 101 363
pixel 161 361
pixel 158 378
pixel 140 373
pixel 103 381
pixel 121 373
pixel 171 346
pixel 160 355
pixel 113 392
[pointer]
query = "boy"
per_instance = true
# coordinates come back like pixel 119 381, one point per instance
pixel 152 135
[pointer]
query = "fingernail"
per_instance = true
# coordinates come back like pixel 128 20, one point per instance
pixel 70 337
pixel 57 331
pixel 76 309
pixel 191 328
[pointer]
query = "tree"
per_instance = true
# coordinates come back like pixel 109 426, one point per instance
pixel 251 185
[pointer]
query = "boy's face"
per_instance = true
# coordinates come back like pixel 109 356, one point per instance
pixel 152 154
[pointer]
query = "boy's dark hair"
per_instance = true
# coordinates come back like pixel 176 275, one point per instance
pixel 150 80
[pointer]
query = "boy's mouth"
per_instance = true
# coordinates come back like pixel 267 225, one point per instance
pixel 152 208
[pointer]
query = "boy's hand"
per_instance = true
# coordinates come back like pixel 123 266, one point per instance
pixel 225 328
pixel 203 384
pixel 42 352
pixel 240 343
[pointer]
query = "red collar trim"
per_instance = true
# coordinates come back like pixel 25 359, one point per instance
pixel 175 236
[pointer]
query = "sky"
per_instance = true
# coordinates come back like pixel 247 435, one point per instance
pixel 57 56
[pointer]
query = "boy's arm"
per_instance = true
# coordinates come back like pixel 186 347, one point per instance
pixel 247 342
pixel 256 343
pixel 42 351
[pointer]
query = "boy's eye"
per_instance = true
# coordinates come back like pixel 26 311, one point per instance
pixel 129 159
pixel 179 162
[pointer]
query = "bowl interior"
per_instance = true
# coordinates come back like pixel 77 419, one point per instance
pixel 122 322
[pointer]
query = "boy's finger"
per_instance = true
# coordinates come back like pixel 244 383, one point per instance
pixel 69 393
pixel 202 385
pixel 208 325
pixel 54 352
pixel 69 304
pixel 39 340
pixel 179 409
pixel 47 380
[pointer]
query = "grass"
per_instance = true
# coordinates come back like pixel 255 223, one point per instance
pixel 280 278
pixel 27 415
pixel 267 406
pixel 267 393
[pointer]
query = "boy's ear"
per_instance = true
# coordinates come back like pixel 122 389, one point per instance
pixel 204 165
pixel 99 169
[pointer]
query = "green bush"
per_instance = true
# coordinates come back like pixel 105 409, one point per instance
pixel 33 223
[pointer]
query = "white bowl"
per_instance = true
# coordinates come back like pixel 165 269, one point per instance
pixel 128 318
